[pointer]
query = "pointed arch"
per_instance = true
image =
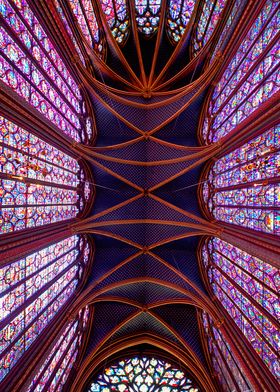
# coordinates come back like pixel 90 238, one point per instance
pixel 178 17
pixel 147 16
pixel 117 16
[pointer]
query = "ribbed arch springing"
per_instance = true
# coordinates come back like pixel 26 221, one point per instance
pixel 33 290
pixel 248 289
pixel 206 22
pixel 31 66
pixel 117 16
pixel 242 188
pixel 228 369
pixel 39 184
pixel 179 13
pixel 250 79
pixel 55 370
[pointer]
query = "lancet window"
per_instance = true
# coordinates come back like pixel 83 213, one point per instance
pixel 86 17
pixel 32 67
pixel 33 291
pixel 236 11
pixel 207 21
pixel 63 17
pixel 228 369
pixel 250 79
pixel 39 184
pixel 56 369
pixel 116 13
pixel 242 187
pixel 147 15
pixel 248 289
pixel 179 13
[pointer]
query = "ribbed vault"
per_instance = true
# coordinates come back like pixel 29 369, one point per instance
pixel 144 285
pixel 145 86
pixel 147 289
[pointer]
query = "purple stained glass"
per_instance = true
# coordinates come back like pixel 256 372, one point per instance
pixel 232 19
pixel 250 79
pixel 56 368
pixel 39 184
pixel 89 128
pixel 69 31
pixel 241 187
pixel 248 288
pixel 33 289
pixel 117 16
pixel 179 13
pixel 207 21
pixel 147 15
pixel 227 367
pixel 32 67
pixel 85 15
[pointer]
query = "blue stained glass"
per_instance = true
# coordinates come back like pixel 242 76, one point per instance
pixel 147 15
pixel 116 13
pixel 179 13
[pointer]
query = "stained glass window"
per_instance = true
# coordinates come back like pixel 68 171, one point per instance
pixel 248 289
pixel 250 79
pixel 142 374
pixel 116 12
pixel 147 15
pixel 242 187
pixel 226 366
pixel 39 184
pixel 32 67
pixel 207 21
pixel 179 13
pixel 55 370
pixel 85 16
pixel 232 19
pixel 63 16
pixel 33 290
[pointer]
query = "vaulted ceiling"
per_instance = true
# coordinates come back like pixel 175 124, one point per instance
pixel 145 284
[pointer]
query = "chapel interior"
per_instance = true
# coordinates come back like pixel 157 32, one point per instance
pixel 139 195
